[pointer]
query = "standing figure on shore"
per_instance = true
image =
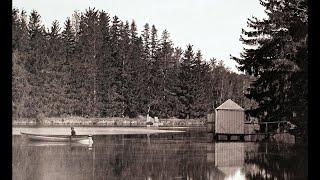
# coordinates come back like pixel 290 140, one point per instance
pixel 73 132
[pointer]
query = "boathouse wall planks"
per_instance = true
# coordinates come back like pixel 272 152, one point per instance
pixel 229 118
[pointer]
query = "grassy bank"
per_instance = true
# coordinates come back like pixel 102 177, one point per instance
pixel 140 121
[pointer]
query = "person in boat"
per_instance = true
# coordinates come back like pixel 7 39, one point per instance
pixel 73 132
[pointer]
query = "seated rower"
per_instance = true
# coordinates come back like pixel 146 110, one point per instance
pixel 73 132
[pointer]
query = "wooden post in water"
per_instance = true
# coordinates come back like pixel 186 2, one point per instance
pixel 210 125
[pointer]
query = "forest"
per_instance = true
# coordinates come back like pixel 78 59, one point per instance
pixel 95 65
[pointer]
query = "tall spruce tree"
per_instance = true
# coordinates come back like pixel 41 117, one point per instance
pixel 115 98
pixel 172 82
pixel 152 69
pixel 89 44
pixel 279 61
pixel 200 73
pixel 126 88
pixel 103 64
pixel 146 41
pixel 135 70
pixel 54 104
pixel 69 68
pixel 165 64
pixel 147 59
pixel 185 87
pixel 36 62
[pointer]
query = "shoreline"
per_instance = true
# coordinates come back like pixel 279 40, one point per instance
pixel 107 122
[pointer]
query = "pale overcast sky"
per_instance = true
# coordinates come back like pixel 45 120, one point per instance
pixel 213 26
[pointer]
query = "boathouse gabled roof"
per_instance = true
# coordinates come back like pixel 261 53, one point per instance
pixel 229 105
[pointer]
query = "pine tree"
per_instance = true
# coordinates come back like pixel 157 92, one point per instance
pixel 146 41
pixel 20 84
pixel 88 47
pixel 185 87
pixel 279 61
pixel 165 64
pixel 200 72
pixel 172 82
pixel 103 64
pixel 19 30
pixel 115 98
pixel 53 86
pixel 134 95
pixel 69 66
pixel 35 64
pixel 125 51
pixel 152 69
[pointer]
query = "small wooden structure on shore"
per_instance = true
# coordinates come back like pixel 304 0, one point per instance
pixel 229 121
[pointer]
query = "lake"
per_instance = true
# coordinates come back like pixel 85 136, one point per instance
pixel 159 155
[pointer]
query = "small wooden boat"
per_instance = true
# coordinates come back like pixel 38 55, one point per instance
pixel 55 138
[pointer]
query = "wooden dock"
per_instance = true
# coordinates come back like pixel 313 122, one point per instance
pixel 247 136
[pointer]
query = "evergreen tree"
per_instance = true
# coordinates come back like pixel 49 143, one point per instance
pixel 115 98
pixel 136 76
pixel 172 82
pixel 152 69
pixel 53 73
pixel 185 88
pixel 103 64
pixel 20 30
pixel 126 85
pixel 200 72
pixel 69 68
pixel 164 63
pixel 279 61
pixel 35 64
pixel 146 41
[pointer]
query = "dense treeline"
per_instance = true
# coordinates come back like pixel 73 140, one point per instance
pixel 99 66
pixel 278 58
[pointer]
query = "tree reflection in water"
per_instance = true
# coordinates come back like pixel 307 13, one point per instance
pixel 276 161
pixel 134 157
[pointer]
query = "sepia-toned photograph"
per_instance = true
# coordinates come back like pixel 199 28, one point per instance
pixel 159 90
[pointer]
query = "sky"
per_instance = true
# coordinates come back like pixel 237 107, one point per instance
pixel 212 26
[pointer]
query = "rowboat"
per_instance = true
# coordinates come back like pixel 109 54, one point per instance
pixel 55 138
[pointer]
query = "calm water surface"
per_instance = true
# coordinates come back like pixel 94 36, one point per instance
pixel 186 155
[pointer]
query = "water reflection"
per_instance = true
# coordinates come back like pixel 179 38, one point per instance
pixel 229 159
pixel 152 157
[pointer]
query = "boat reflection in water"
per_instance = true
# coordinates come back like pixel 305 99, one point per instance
pixel 85 143
pixel 137 157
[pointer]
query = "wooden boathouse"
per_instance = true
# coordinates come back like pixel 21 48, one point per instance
pixel 229 121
